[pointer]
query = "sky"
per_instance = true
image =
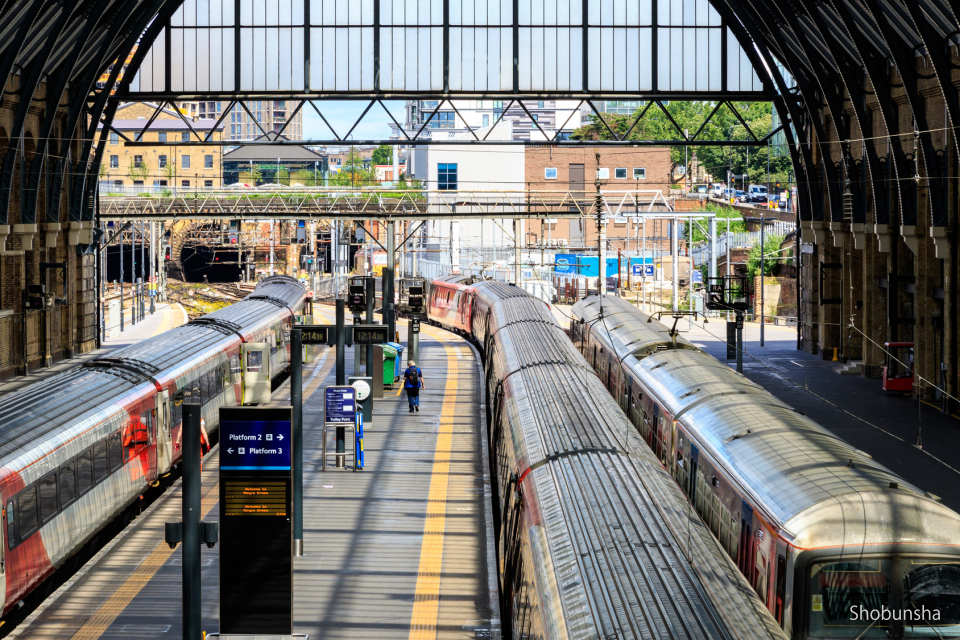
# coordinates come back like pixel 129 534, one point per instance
pixel 341 114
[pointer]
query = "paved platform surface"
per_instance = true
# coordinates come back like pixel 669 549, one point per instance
pixel 403 549
pixel 166 317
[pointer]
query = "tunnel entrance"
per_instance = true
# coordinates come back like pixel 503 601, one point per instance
pixel 217 263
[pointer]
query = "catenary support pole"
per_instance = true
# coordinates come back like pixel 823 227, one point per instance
pixel 389 281
pixel 763 250
pixel 191 522
pixel 516 253
pixel 675 249
pixel 121 277
pixel 371 291
pixel 601 235
pixel 153 266
pixel 739 341
pixel 296 399
pixel 341 370
pixel 143 270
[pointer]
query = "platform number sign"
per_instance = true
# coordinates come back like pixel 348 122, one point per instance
pixel 414 326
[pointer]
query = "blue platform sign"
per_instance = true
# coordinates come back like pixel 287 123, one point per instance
pixel 255 445
pixel 566 263
pixel 637 269
pixel 340 405
pixel 697 277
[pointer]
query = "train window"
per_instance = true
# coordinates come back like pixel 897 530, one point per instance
pixel 100 469
pixel 116 452
pixel 843 586
pixel 68 483
pixel 931 584
pixel 254 361
pixel 84 471
pixel 204 388
pixel 761 578
pixel 48 497
pixel 176 410
pixel 27 511
pixel 11 524
pixel 734 540
pixel 235 368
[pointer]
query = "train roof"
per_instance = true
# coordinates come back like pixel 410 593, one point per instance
pixel 617 533
pixel 615 317
pixel 796 471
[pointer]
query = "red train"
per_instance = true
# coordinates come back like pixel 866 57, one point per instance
pixel 79 448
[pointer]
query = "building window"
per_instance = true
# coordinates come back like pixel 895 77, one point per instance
pixel 442 120
pixel 184 162
pixel 137 183
pixel 540 104
pixel 486 120
pixel 550 173
pixel 208 162
pixel 184 183
pixel 114 162
pixel 603 173
pixel 138 161
pixel 162 136
pixel 114 137
pixel 163 161
pixel 233 129
pixel 447 177
pixel 620 173
pixel 536 117
pixel 479 104
pixel 118 184
pixel 184 136
pixel 639 173
pixel 208 183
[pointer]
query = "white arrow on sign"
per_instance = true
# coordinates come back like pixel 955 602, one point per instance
pixel 280 436
pixel 230 450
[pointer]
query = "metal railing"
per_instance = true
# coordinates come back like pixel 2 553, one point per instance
pixel 741 240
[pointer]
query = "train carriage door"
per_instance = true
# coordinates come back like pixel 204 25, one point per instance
pixel 744 558
pixel 164 439
pixel 694 467
pixel 256 372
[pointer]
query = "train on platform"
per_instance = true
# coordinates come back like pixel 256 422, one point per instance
pixel 835 544
pixel 81 447
pixel 594 539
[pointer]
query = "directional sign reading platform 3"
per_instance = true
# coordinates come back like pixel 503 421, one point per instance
pixel 255 445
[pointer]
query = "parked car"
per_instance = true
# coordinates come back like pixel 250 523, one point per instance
pixel 740 195
pixel 717 189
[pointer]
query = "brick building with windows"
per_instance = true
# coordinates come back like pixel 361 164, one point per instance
pixel 128 169
pixel 623 171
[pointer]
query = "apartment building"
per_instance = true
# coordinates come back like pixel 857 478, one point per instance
pixel 272 116
pixel 128 169
pixel 534 120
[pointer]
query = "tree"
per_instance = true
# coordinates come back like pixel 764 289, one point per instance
pixel 283 176
pixel 383 154
pixel 306 177
pixel 771 252
pixel 352 172
pixel 138 171
pixel 724 213
pixel 252 175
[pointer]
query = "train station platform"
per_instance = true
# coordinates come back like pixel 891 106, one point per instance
pixel 167 316
pixel 402 549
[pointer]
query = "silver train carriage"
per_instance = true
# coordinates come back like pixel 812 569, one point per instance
pixel 594 539
pixel 826 536
pixel 78 448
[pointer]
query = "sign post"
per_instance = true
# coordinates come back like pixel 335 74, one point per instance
pixel 296 402
pixel 256 562
pixel 339 410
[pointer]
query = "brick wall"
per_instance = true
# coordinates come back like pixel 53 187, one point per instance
pixel 779 295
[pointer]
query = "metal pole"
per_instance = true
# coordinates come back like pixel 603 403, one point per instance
pixel 102 276
pixel 341 372
pixel 675 249
pixel 643 261
pixel 296 399
pixel 739 341
pixel 121 278
pixel 516 252
pixel 690 261
pixel 389 282
pixel 153 265
pixel 712 228
pixel 143 270
pixel 601 235
pixel 371 285
pixel 762 251
pixel 133 274
pixel 190 516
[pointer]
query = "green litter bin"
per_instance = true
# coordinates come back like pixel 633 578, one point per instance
pixel 390 355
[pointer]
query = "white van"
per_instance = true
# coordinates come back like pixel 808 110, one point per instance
pixel 757 193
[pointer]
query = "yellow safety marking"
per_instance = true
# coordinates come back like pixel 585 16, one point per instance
pixel 141 576
pixel 426 601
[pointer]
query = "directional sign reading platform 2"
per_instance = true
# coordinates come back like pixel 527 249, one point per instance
pixel 255 445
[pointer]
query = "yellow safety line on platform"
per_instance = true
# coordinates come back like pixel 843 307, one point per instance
pixel 426 601
pixel 108 612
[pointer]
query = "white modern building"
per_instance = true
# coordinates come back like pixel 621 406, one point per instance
pixel 534 120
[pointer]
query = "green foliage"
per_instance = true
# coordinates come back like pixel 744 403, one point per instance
pixel 307 178
pixel 724 212
pixel 283 176
pixel 723 125
pixel 138 172
pixel 251 176
pixel 771 253
pixel 383 154
pixel 353 172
